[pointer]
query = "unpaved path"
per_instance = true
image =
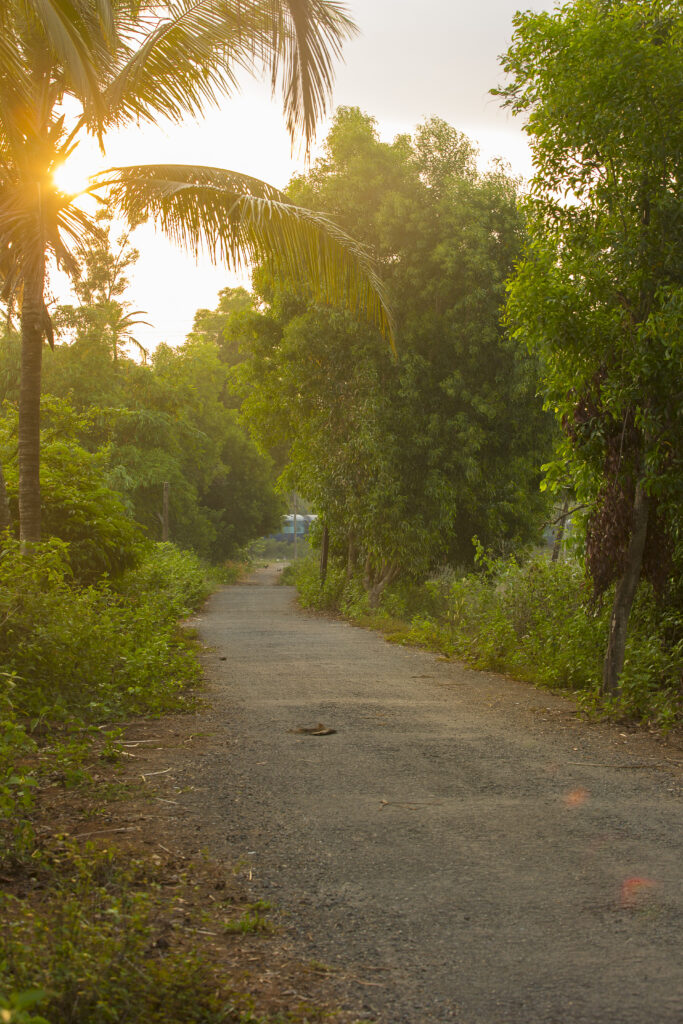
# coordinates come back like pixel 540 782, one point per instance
pixel 462 847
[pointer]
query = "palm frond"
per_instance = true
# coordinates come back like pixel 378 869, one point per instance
pixel 239 220
pixel 80 33
pixel 306 42
pixel 191 56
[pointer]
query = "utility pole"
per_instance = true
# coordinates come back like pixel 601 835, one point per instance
pixel 295 521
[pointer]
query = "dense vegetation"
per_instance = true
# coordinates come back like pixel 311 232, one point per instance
pixel 599 294
pixel 114 431
pixel 406 457
pixel 408 460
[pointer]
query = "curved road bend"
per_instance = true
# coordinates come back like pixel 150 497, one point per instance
pixel 462 845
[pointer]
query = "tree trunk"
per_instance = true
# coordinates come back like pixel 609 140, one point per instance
pixel 165 500
pixel 559 532
pixel 32 332
pixel 351 558
pixel 324 551
pixel 624 595
pixel 5 514
pixel 375 583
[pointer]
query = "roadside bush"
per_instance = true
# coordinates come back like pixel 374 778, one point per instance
pixel 96 652
pixel 337 593
pixel 537 621
pixel 17 783
pixel 77 506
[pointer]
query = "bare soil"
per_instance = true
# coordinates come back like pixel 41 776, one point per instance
pixel 452 846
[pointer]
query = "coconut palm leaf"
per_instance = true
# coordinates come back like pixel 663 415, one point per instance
pixel 239 220
pixel 190 57
pixel 77 33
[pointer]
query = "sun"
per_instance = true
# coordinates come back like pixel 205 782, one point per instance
pixel 73 176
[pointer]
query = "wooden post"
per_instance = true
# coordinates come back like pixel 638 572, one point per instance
pixel 164 511
pixel 324 550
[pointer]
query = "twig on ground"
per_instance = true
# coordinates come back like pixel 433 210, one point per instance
pixel 148 775
pixel 102 831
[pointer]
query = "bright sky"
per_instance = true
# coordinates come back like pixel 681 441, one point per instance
pixel 411 61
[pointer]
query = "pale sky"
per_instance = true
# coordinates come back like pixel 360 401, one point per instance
pixel 411 61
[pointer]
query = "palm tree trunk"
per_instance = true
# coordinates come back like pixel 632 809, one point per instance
pixel 624 595
pixel 32 331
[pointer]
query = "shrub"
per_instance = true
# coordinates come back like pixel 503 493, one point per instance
pixel 537 621
pixel 97 652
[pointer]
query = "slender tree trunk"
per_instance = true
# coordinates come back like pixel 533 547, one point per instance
pixel 165 502
pixel 32 332
pixel 559 532
pixel 624 595
pixel 324 551
pixel 376 583
pixel 350 557
pixel 5 514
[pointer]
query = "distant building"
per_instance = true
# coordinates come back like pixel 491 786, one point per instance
pixel 303 526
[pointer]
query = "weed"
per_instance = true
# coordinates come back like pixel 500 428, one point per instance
pixel 249 922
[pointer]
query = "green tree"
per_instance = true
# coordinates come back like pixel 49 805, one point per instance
pixel 407 459
pixel 598 295
pixel 69 70
pixel 102 315
pixel 79 505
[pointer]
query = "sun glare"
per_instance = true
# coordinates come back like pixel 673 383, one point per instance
pixel 72 176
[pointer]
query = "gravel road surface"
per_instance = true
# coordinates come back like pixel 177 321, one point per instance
pixel 462 846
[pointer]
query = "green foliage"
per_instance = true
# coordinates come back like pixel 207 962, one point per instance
pixel 537 621
pixel 598 296
pixel 78 506
pixel 17 783
pixel 405 458
pixel 16 1009
pixel 170 421
pixel 87 953
pixel 312 593
pixel 96 651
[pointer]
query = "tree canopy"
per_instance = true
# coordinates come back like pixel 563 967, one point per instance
pixel 86 67
pixel 407 458
pixel 598 296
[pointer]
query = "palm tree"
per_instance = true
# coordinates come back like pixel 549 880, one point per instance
pixel 119 61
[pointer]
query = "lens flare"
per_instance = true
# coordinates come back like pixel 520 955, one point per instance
pixel 576 797
pixel 633 889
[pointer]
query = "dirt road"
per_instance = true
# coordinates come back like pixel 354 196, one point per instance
pixel 462 845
